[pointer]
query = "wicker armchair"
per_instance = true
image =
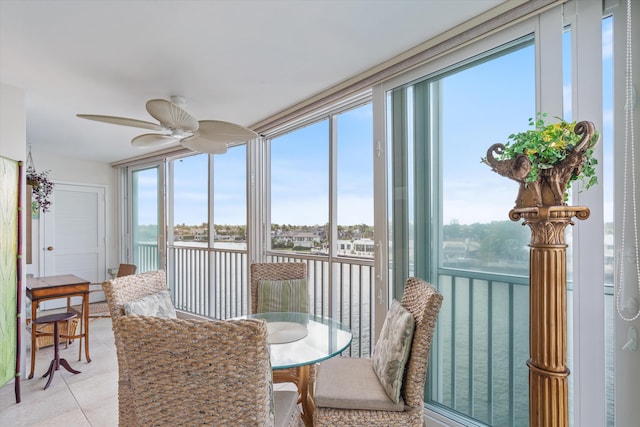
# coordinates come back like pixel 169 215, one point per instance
pixel 423 302
pixel 194 372
pixel 279 271
pixel 273 271
pixel 119 291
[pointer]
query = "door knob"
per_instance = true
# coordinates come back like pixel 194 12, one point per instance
pixel 49 248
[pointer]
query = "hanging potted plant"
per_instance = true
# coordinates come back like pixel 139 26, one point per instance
pixel 546 160
pixel 41 187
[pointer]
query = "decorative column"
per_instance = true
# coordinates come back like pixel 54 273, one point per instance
pixel 548 372
pixel 544 161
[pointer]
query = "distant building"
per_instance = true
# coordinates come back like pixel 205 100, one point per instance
pixel 305 239
pixel 345 247
pixel 363 247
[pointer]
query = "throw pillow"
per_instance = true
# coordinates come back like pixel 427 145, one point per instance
pixel 283 295
pixel 392 349
pixel 158 304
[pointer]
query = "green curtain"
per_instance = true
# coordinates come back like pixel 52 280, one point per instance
pixel 8 267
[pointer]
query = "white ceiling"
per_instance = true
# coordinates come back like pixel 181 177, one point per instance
pixel 240 61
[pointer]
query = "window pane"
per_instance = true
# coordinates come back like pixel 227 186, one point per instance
pixel 145 222
pixel 355 182
pixel 607 183
pixel 299 188
pixel 230 198
pixel 454 224
pixel 190 198
pixel 481 105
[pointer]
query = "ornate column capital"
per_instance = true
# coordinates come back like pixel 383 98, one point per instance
pixel 548 223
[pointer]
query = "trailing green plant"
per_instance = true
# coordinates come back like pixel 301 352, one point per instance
pixel 41 187
pixel 547 144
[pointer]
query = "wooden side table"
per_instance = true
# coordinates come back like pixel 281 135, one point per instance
pixel 57 360
pixel 40 289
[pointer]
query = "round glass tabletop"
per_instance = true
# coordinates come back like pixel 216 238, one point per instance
pixel 298 339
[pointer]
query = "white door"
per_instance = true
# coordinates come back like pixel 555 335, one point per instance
pixel 74 234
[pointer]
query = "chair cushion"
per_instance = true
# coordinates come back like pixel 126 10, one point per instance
pixel 351 383
pixel 158 304
pixel 283 295
pixel 286 407
pixel 392 349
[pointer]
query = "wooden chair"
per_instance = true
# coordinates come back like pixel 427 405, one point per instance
pixel 345 379
pixel 195 372
pixel 279 271
pixel 118 292
pixel 98 310
pixel 126 270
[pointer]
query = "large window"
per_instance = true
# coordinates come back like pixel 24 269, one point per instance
pixel 146 221
pixel 190 199
pixel 230 198
pixel 207 245
pixel 322 186
pixel 191 205
pixel 453 213
pixel 300 189
pixel 354 195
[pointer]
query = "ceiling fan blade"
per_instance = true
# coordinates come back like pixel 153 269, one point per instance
pixel 201 145
pixel 152 140
pixel 219 131
pixel 170 115
pixel 123 121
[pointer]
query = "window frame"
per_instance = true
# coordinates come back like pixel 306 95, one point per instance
pixel 331 115
pixel 588 371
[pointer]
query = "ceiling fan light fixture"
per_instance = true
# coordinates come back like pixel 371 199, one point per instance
pixel 205 136
pixel 179 101
pixel 171 116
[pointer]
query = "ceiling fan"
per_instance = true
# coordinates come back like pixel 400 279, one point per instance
pixel 204 136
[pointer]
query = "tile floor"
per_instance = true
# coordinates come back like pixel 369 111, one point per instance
pixel 88 399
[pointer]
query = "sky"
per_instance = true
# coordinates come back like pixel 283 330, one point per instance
pixel 481 106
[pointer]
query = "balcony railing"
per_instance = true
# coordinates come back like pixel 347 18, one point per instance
pixel 482 337
pixel 215 283
pixel 145 256
pixel 209 282
pixel 481 346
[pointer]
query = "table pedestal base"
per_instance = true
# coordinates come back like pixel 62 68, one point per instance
pixel 55 366
pixel 57 361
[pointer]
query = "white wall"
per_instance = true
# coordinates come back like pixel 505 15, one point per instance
pixel 13 131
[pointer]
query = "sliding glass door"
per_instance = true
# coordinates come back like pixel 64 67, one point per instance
pixel 450 226
pixel 146 223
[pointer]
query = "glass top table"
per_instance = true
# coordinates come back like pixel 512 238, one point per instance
pixel 299 339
